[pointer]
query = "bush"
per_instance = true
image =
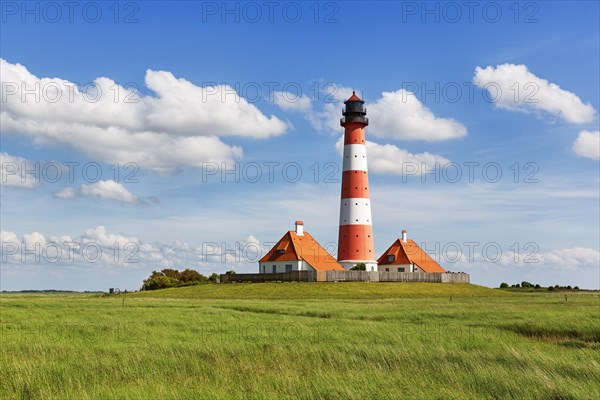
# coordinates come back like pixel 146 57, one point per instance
pixel 503 285
pixel 359 267
pixel 537 286
pixel 526 284
pixel 576 288
pixel 168 278
pixel 550 288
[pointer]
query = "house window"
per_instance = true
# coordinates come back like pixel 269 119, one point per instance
pixel 288 268
pixel 391 258
pixel 400 269
pixel 387 270
pixel 264 268
pixel 274 268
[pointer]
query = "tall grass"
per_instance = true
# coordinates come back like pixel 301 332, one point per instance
pixel 430 341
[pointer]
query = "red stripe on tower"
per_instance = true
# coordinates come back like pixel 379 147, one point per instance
pixel 355 242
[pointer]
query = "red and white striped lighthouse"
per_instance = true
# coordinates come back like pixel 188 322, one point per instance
pixel 355 242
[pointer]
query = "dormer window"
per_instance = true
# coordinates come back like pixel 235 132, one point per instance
pixel 391 258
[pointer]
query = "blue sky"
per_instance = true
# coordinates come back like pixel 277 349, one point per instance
pixel 428 77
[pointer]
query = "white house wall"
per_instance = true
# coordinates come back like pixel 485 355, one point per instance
pixel 267 267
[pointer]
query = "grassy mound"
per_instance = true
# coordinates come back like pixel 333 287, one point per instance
pixel 326 290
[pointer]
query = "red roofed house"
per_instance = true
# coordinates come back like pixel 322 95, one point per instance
pixel 297 251
pixel 404 255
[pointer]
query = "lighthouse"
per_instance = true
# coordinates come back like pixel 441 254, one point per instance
pixel 355 241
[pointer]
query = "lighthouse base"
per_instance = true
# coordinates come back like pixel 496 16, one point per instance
pixel 347 264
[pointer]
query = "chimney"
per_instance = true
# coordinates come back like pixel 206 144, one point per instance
pixel 404 235
pixel 299 228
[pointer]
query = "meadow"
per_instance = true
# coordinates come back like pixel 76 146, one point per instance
pixel 302 341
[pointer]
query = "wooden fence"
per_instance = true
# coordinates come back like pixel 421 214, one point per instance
pixel 349 276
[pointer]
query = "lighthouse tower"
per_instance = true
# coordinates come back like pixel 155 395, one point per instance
pixel 355 242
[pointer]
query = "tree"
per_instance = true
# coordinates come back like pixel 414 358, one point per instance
pixel 189 275
pixel 173 278
pixel 359 267
pixel 230 272
pixel 503 285
pixel 537 286
pixel 213 277
pixel 526 284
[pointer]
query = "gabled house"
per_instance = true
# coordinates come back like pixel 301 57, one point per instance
pixel 297 251
pixel 404 255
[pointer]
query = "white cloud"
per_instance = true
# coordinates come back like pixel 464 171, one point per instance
pixel 588 145
pixel 101 248
pixel 292 102
pixel 66 193
pixel 33 239
pixel 569 259
pixel 13 171
pixel 396 115
pixel 8 237
pixel 109 190
pixel 390 159
pixel 400 115
pixel 180 125
pixel 513 87
pixel 105 190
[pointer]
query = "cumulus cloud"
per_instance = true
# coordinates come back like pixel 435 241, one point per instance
pixel 102 248
pixel 292 102
pixel 179 125
pixel 400 115
pixel 13 171
pixel 66 193
pixel 572 259
pixel 105 190
pixel 569 259
pixel 390 159
pixel 395 115
pixel 109 190
pixel 512 87
pixel 588 145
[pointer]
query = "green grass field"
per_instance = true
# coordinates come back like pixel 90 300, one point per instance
pixel 305 341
